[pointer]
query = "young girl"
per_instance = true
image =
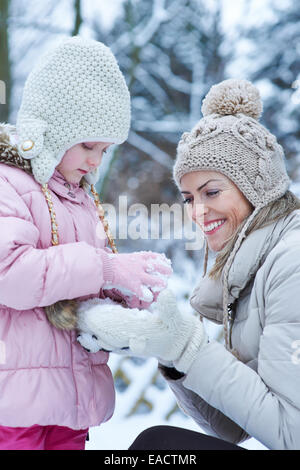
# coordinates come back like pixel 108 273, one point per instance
pixel 53 247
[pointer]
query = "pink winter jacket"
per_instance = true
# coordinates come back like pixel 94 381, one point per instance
pixel 46 377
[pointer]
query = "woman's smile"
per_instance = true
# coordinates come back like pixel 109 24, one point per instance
pixel 216 204
pixel 212 227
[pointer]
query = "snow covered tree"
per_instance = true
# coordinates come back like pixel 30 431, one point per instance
pixel 270 57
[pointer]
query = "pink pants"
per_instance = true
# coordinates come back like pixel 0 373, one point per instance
pixel 42 438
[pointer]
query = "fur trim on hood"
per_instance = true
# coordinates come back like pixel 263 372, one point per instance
pixel 8 149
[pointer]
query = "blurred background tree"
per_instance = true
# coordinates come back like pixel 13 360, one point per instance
pixel 5 73
pixel 272 61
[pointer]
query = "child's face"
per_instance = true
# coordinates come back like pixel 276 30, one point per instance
pixel 81 159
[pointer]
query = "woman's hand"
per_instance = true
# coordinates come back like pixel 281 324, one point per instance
pixel 165 333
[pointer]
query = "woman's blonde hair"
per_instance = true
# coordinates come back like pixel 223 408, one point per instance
pixel 267 215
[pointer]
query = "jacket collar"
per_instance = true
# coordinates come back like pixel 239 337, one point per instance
pixel 59 185
pixel 207 297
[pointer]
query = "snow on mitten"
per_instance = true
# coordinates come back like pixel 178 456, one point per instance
pixel 138 276
pixel 164 333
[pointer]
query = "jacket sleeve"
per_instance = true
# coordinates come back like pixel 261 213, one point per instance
pixel 32 277
pixel 266 403
pixel 210 420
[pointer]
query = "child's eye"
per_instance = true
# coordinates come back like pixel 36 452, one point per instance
pixel 85 146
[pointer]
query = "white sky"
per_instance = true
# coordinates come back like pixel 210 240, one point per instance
pixel 108 10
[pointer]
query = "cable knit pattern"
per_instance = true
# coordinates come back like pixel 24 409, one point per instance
pixel 76 93
pixel 229 139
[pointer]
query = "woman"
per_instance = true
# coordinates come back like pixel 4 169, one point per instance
pixel 231 173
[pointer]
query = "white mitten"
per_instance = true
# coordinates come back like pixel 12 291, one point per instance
pixel 164 333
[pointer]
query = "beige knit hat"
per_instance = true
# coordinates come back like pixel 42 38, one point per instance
pixel 75 93
pixel 230 139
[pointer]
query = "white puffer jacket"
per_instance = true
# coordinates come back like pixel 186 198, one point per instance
pixel 258 395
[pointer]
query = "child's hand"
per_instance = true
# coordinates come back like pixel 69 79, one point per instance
pixel 138 277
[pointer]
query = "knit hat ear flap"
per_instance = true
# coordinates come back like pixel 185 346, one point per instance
pixel 31 137
pixel 93 176
pixel 43 166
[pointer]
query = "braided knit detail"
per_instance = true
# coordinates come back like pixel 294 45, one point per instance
pixel 63 314
pixel 103 220
pixel 205 258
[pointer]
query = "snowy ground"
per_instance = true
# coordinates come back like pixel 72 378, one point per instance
pixel 118 434
pixel 121 431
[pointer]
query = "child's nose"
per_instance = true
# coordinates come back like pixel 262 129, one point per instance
pixel 94 160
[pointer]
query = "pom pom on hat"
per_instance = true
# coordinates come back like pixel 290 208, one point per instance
pixel 232 97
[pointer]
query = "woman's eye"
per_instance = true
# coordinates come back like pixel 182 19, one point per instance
pixel 212 193
pixel 188 200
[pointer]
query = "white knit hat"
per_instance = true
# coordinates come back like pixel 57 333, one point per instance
pixel 76 93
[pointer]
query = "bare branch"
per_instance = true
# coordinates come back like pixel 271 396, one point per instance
pixel 150 149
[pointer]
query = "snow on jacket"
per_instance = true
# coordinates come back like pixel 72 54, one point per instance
pixel 46 377
pixel 258 395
